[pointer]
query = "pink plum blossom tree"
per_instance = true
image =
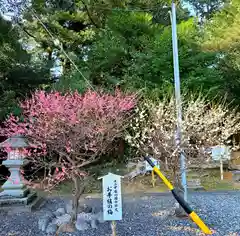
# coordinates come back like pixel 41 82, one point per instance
pixel 76 128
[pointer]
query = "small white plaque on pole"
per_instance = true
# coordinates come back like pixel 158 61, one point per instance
pixel 220 152
pixel 112 197
pixel 155 162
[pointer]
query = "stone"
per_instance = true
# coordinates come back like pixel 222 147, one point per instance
pixel 94 224
pixel 44 221
pixel 65 228
pixel 236 176
pixel 163 214
pixel 13 207
pixel 87 220
pixel 10 200
pixel 14 186
pixel 62 219
pixel 60 212
pixel 17 141
pixel 68 207
pixel 49 214
pixel 82 224
pixel 194 184
pixel 51 228
pixel 84 208
pixel 88 197
pixel 138 170
pixel 85 216
pixel 16 197
pixel 99 217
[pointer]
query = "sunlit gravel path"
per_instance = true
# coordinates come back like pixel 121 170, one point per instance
pixel 143 215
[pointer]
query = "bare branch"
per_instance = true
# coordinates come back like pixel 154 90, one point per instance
pixel 89 14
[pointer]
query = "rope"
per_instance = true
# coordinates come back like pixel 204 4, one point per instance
pixel 54 41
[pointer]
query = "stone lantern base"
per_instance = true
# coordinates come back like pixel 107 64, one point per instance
pixel 16 197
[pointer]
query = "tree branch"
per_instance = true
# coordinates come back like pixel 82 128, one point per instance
pixel 89 15
pixel 29 34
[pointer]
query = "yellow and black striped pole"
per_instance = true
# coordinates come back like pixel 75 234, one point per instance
pixel 180 199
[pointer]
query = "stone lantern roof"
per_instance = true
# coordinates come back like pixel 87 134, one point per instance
pixel 17 141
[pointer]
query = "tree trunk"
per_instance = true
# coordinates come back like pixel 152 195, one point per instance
pixel 79 189
pixel 166 163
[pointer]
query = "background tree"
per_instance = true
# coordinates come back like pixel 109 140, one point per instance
pixel 222 32
pixel 137 54
pixel 221 35
pixel 152 131
pixel 74 23
pixel 19 75
pixel 205 9
pixel 142 56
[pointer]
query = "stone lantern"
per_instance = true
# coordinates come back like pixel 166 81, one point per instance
pixel 14 186
pixel 16 197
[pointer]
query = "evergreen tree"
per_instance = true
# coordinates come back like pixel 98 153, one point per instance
pixel 222 35
pixel 137 54
pixel 18 74
pixel 205 9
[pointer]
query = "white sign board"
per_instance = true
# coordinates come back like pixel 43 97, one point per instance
pixel 112 197
pixel 220 152
pixel 155 162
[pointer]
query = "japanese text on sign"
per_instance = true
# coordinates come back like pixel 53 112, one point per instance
pixel 112 200
pixel 109 201
pixel 115 196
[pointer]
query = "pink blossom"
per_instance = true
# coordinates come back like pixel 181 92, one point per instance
pixel 16 182
pixel 77 128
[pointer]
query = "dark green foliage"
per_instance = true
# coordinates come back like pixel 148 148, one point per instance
pixel 205 9
pixel 18 74
pixel 128 44
pixel 137 54
pixel 221 36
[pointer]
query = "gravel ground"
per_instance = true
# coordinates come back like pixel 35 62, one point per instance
pixel 142 216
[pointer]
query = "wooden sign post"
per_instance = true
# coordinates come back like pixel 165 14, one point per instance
pixel 220 153
pixel 112 199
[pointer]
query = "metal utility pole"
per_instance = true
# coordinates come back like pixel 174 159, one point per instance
pixel 178 97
